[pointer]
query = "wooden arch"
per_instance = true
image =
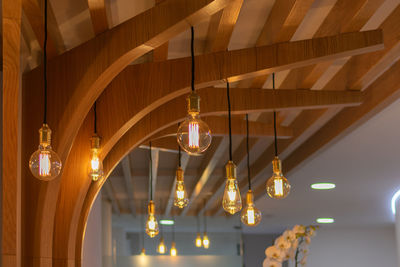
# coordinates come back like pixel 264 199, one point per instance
pixel 135 106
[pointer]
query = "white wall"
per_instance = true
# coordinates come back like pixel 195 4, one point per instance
pixel 92 244
pixel 354 247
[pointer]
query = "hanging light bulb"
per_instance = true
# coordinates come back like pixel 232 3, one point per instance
pixel 193 135
pixel 180 199
pixel 251 216
pixel 173 250
pixel 232 201
pixel 44 163
pixel 278 186
pixel 161 246
pixel 143 252
pixel 152 225
pixel 206 241
pixel 199 241
pixel 95 167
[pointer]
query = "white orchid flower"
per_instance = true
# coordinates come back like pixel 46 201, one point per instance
pixel 303 261
pixel 273 253
pixel 271 263
pixel 299 229
pixel 289 235
pixel 282 244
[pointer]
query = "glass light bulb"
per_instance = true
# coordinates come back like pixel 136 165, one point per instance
pixel 143 253
pixel 95 166
pixel 232 201
pixel 180 199
pixel 152 229
pixel 194 135
pixel 173 250
pixel 44 163
pixel 278 186
pixel 206 241
pixel 161 246
pixel 199 242
pixel 251 216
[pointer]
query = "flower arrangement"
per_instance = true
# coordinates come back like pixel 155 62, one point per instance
pixel 291 245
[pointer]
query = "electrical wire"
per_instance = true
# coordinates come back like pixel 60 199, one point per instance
pixel 275 138
pixel 45 63
pixel 192 54
pixel 95 116
pixel 230 122
pixel 151 175
pixel 247 148
pixel 179 153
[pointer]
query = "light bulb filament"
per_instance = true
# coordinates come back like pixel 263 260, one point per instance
pixel 194 138
pixel 278 185
pixel 44 164
pixel 250 216
pixel 95 163
pixel 232 194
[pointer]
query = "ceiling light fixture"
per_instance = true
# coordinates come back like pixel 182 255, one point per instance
pixel 198 240
pixel 194 135
pixel 232 201
pixel 251 216
pixel 95 167
pixel 395 197
pixel 206 241
pixel 151 225
pixel 323 186
pixel 180 199
pixel 44 163
pixel 278 186
pixel 173 251
pixel 325 220
pixel 167 222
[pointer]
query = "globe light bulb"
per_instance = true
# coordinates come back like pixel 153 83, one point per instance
pixel 95 167
pixel 180 199
pixel 278 186
pixel 44 163
pixel 143 253
pixel 232 201
pixel 152 229
pixel 206 241
pixel 173 250
pixel 251 216
pixel 194 135
pixel 161 246
pixel 199 241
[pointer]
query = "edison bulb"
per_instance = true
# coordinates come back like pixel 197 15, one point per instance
pixel 198 240
pixel 194 135
pixel 143 253
pixel 251 216
pixel 173 250
pixel 206 241
pixel 232 201
pixel 44 163
pixel 278 186
pixel 180 199
pixel 161 246
pixel 152 229
pixel 95 167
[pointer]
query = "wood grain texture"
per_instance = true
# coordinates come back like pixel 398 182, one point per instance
pixel 98 15
pixel 11 135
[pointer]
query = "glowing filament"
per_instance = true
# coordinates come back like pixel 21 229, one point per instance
pixel 250 216
pixel 180 194
pixel 232 193
pixel 198 241
pixel 44 164
pixel 194 137
pixel 95 163
pixel 278 185
pixel 206 242
pixel 152 224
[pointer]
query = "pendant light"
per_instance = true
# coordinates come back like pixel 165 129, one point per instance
pixel 173 251
pixel 44 163
pixel 198 241
pixel 95 168
pixel 180 199
pixel 152 229
pixel 251 216
pixel 206 241
pixel 232 201
pixel 161 245
pixel 278 186
pixel 194 135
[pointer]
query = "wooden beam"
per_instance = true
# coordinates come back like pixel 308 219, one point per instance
pixel 208 165
pixel 126 169
pixel 161 53
pixel 11 135
pixel 98 14
pixel 110 194
pixel 184 163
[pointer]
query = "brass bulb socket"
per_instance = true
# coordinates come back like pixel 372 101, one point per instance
pixel 45 135
pixel 277 165
pixel 95 142
pixel 179 174
pixel 193 101
pixel 151 208
pixel 230 170
pixel 162 240
pixel 249 197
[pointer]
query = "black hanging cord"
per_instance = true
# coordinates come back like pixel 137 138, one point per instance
pixel 45 63
pixel 192 53
pixel 230 122
pixel 247 148
pixel 173 228
pixel 198 224
pixel 179 153
pixel 276 141
pixel 95 117
pixel 151 175
pixel 142 227
pixel 205 219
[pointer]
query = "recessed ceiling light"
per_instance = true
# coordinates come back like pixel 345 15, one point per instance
pixel 167 222
pixel 323 186
pixel 395 197
pixel 325 220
